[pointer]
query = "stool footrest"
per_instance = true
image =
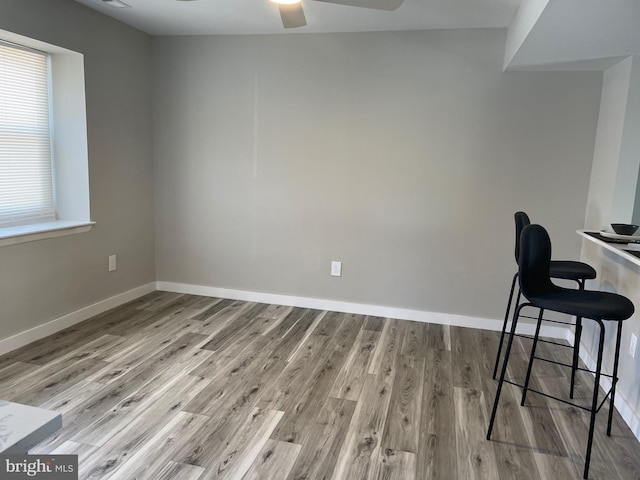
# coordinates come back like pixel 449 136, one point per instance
pixel 549 320
pixel 567 402
pixel 529 337
pixel 569 365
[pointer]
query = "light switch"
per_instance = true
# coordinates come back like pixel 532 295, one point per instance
pixel 336 269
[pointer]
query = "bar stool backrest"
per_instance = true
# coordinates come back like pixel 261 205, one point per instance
pixel 535 257
pixel 522 220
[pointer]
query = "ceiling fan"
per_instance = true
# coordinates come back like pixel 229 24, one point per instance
pixel 293 16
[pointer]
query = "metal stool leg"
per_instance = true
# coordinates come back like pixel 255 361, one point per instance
pixel 576 355
pixel 614 380
pixel 533 352
pixel 514 324
pixel 594 403
pixel 576 346
pixel 504 325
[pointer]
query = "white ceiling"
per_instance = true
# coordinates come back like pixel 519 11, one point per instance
pixel 580 35
pixel 211 17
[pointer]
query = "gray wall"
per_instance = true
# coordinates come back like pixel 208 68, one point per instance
pixel 404 155
pixel 43 280
pixel 620 90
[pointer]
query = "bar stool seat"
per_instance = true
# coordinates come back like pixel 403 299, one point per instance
pixel 570 270
pixel 586 304
pixel 542 293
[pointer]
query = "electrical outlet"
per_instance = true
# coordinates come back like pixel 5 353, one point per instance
pixel 336 269
pixel 112 263
pixel 633 345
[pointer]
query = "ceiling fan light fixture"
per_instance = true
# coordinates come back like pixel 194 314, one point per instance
pixel 286 2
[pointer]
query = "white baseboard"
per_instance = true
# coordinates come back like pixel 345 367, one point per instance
pixel 357 308
pixel 36 333
pixel 627 413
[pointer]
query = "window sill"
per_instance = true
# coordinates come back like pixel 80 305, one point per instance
pixel 40 231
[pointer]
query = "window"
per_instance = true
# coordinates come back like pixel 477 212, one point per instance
pixel 26 188
pixel 44 164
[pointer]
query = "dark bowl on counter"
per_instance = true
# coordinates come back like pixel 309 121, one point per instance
pixel 624 228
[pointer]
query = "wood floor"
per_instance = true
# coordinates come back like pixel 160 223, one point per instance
pixel 185 387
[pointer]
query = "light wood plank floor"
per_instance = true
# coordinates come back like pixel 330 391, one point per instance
pixel 184 387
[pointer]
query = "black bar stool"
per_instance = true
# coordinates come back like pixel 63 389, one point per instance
pixel 539 290
pixel 560 269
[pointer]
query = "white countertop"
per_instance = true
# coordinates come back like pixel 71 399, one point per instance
pixel 617 248
pixel 22 426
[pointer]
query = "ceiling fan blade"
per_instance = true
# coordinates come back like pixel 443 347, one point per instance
pixel 375 4
pixel 292 15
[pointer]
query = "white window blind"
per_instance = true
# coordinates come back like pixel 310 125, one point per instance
pixel 26 183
